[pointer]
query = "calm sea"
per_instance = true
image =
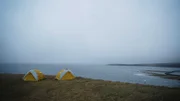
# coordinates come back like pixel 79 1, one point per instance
pixel 131 74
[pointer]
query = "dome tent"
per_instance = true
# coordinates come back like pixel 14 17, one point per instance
pixel 65 74
pixel 33 75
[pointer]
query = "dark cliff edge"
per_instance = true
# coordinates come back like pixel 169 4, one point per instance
pixel 152 64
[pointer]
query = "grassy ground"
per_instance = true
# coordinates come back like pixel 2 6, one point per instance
pixel 13 88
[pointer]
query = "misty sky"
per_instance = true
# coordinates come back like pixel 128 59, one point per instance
pixel 89 31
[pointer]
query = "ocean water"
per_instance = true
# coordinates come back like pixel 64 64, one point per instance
pixel 131 74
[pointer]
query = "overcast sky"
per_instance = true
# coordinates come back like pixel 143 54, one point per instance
pixel 89 31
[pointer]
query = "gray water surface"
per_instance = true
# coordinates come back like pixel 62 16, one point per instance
pixel 131 74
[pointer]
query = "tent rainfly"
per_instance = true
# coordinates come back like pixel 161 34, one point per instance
pixel 33 75
pixel 65 74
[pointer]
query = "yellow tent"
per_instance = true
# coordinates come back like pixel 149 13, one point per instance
pixel 33 75
pixel 65 75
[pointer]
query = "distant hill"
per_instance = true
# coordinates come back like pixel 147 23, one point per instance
pixel 151 64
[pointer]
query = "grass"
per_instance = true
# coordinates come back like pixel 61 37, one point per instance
pixel 13 88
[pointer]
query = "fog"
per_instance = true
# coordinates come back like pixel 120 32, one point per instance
pixel 89 31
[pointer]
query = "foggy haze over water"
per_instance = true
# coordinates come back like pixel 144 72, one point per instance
pixel 89 31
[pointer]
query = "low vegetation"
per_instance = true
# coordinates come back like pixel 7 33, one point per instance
pixel 13 88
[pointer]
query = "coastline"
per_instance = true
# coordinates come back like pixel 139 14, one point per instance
pixel 171 65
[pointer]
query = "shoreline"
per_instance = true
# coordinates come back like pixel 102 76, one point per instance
pixel 148 72
pixel 168 65
pixel 163 74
